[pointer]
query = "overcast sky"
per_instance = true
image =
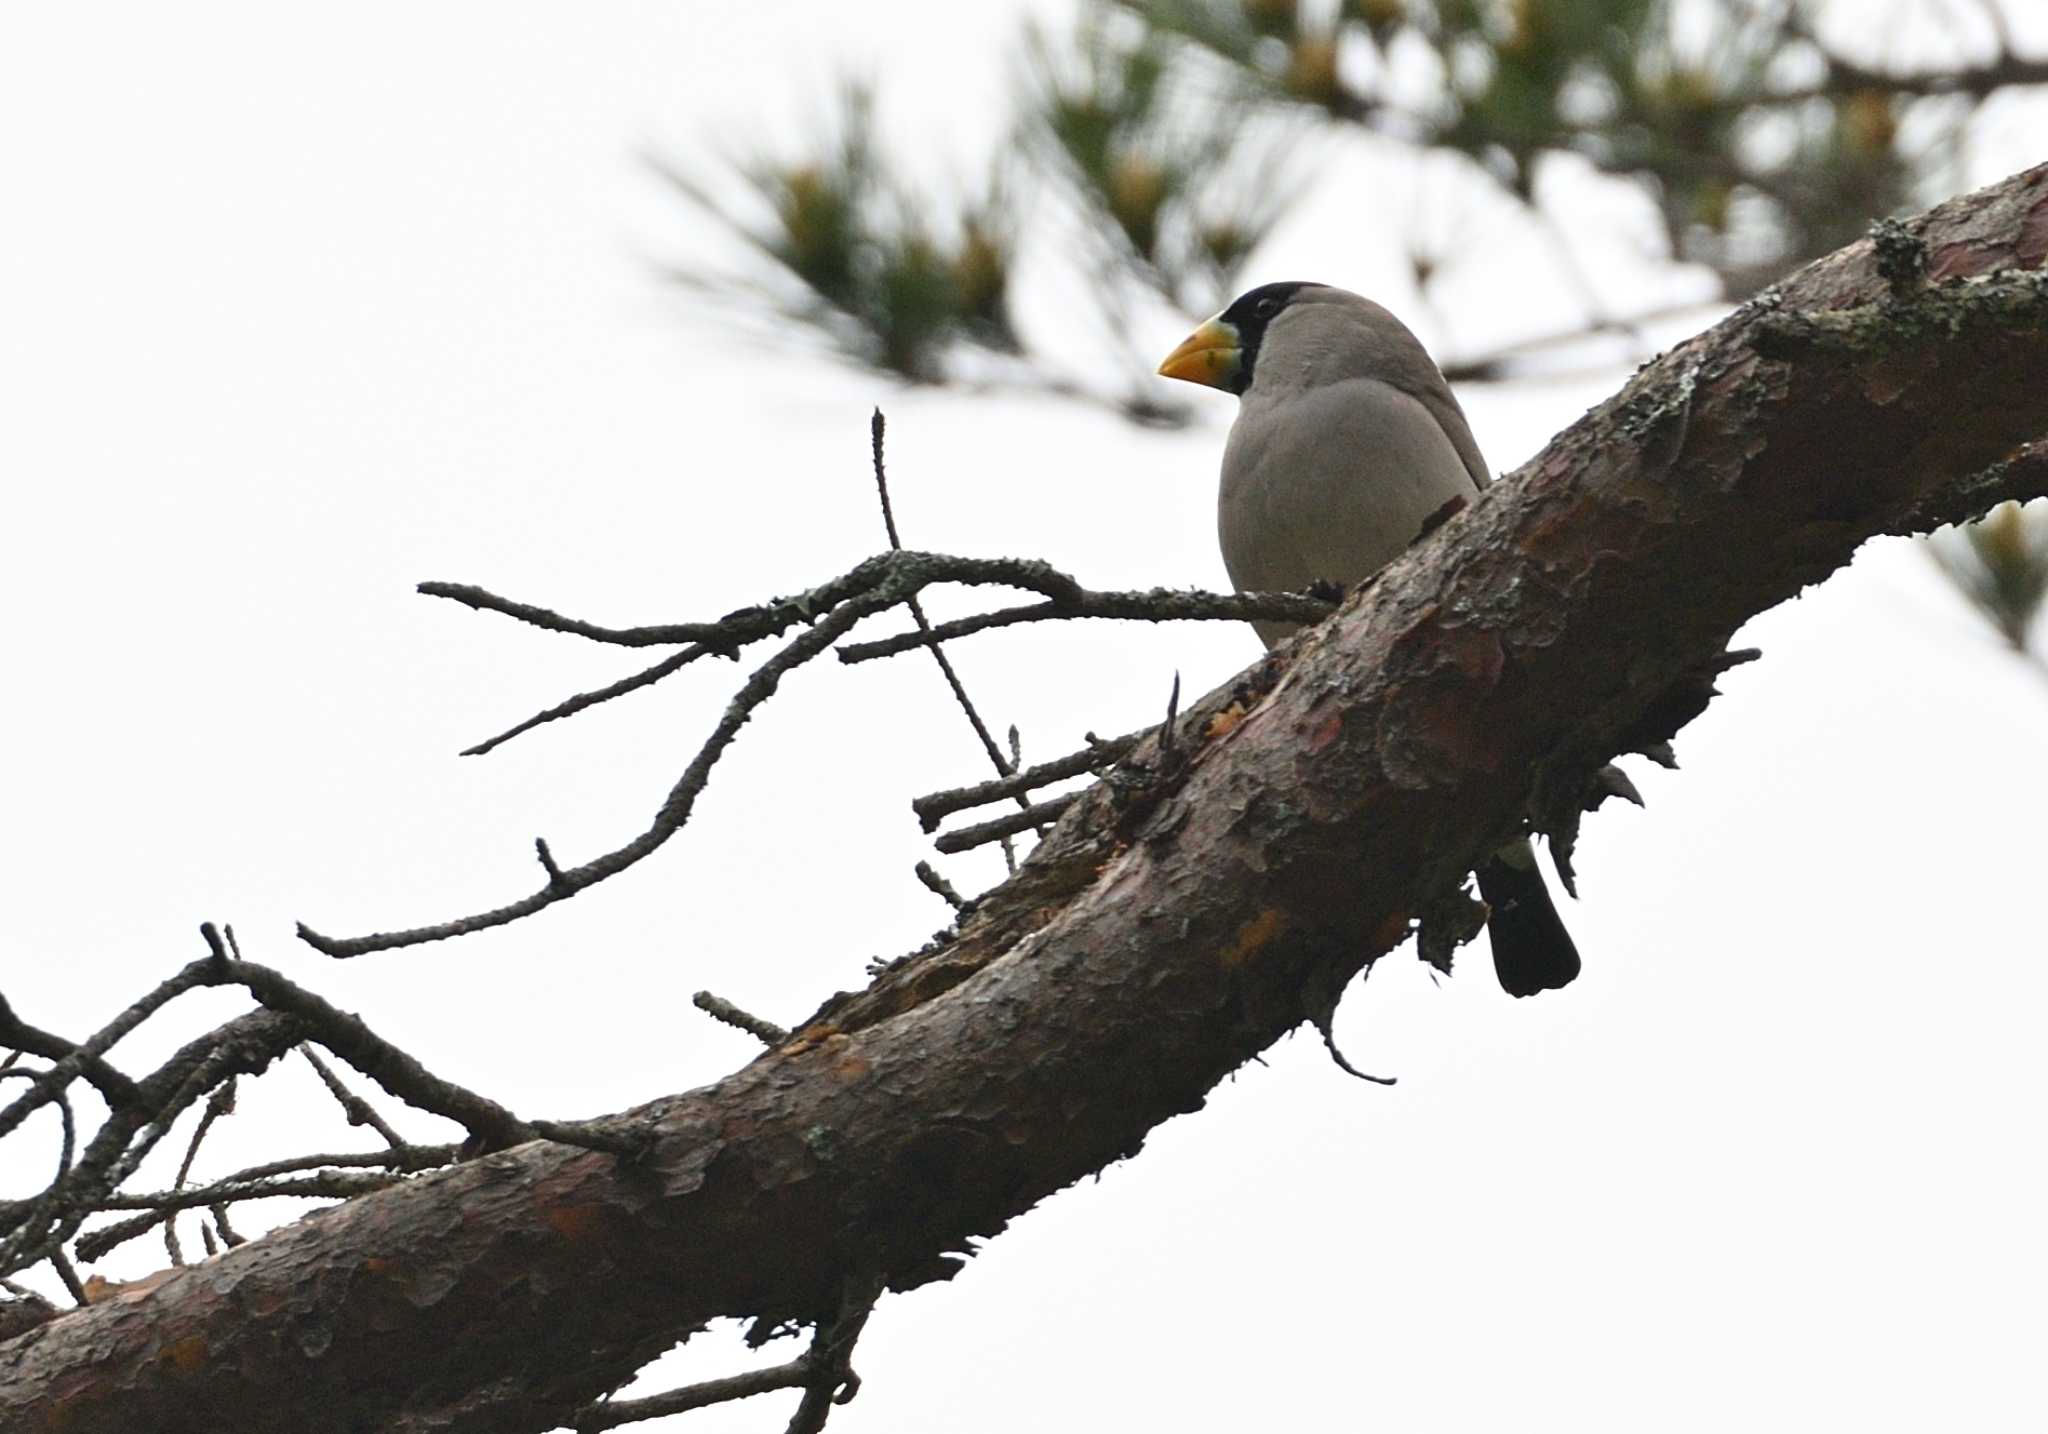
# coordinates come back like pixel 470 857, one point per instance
pixel 297 314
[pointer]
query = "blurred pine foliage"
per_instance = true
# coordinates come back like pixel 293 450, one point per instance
pixel 1759 133
pixel 2000 563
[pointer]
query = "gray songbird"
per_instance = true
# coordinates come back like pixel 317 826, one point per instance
pixel 1348 443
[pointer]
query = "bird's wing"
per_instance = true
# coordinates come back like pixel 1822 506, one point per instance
pixel 1334 482
pixel 1436 396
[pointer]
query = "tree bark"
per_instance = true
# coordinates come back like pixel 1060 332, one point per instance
pixel 1170 929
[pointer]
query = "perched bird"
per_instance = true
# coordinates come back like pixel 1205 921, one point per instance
pixel 1348 443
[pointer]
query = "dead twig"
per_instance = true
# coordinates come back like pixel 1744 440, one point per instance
pixel 1151 605
pixel 878 584
pixel 940 887
pixel 582 701
pixel 159 1208
pixel 19 1036
pixel 30 1231
pixel 612 1413
pixel 69 1067
pixel 1097 755
pixel 720 1009
pixel 877 427
pixel 724 637
pixel 220 1103
pixel 490 1125
pixel 242 1046
pixel 358 1110
pixel 1038 814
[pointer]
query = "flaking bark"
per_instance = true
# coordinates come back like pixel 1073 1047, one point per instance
pixel 1168 931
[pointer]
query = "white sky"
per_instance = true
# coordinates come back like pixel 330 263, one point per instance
pixel 296 314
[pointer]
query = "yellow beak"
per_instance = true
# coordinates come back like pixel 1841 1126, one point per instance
pixel 1210 355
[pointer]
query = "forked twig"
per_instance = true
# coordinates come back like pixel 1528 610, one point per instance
pixel 1005 767
pixel 874 586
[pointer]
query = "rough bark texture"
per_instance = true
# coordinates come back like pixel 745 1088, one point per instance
pixel 1167 932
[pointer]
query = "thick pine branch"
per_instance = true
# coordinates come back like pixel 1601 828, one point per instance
pixel 1164 934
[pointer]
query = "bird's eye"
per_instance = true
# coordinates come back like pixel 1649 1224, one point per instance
pixel 1266 308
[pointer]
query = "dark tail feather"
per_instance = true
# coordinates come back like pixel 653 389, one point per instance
pixel 1531 949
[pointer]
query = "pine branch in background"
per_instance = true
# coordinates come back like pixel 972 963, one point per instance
pixel 1148 160
pixel 1755 134
pixel 1162 150
pixel 2000 563
pixel 1758 141
pixel 856 255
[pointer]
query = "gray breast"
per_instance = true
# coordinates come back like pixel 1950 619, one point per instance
pixel 1331 482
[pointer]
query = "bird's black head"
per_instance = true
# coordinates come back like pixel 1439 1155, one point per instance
pixel 1249 313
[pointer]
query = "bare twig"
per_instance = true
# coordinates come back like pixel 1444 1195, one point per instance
pixel 750 624
pixel 1154 605
pixel 612 1413
pixel 37 1228
pixel 877 427
pixel 940 887
pixel 217 1061
pixel 582 701
pixel 488 1123
pixel 258 1183
pixel 724 638
pixel 33 1225
pixel 116 1089
pixel 877 584
pixel 72 1284
pixel 322 1184
pixel 1038 814
pixel 159 1208
pixel 344 1034
pixel 1098 754
pixel 358 1110
pixel 408 1158
pixel 727 633
pixel 68 1068
pixel 220 1103
pixel 674 812
pixel 548 863
pixel 242 1046
pixel 720 1009
pixel 623 1138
